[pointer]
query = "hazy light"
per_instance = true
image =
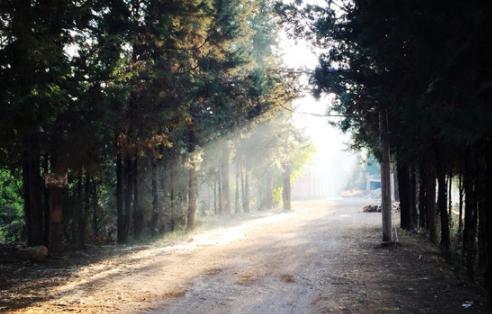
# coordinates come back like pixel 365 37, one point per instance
pixel 332 163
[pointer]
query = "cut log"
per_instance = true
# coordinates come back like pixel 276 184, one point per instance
pixel 34 253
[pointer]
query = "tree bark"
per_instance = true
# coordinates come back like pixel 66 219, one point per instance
pixel 403 178
pixel 268 190
pixel 192 198
pixel 95 205
pixel 22 66
pixel 137 211
pixel 396 188
pixel 172 194
pixel 226 193
pixel 46 203
pixel 85 212
pixel 482 214
pixel 482 233
pixel 442 201
pixel 33 208
pixel 77 215
pixel 245 189
pixel 56 210
pixel 155 200
pixel 413 196
pixel 430 205
pixel 128 193
pixel 488 200
pixel 216 196
pixel 422 190
pixel 460 205
pixel 286 188
pixel 385 178
pixel 450 197
pixel 470 226
pixel 219 191
pixel 56 214
pixel 236 189
pixel 121 220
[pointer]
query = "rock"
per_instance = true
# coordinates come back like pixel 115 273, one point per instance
pixel 34 253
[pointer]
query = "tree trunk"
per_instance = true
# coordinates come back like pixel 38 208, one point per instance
pixel 461 188
pixel 137 211
pixel 46 203
pixel 442 201
pixel 77 215
pixel 192 198
pixel 385 178
pixel 219 191
pixel 172 194
pixel 430 196
pixel 241 171
pixel 21 27
pixel 488 200
pixel 95 205
pixel 33 208
pixel 450 197
pixel 403 178
pixel 155 200
pixel 268 190
pixel 216 196
pixel 470 227
pixel 245 190
pixel 236 188
pixel 164 184
pixel 413 196
pixel 422 190
pixel 121 220
pixel 56 214
pixel 85 212
pixel 56 209
pixel 128 192
pixel 396 188
pixel 482 213
pixel 286 189
pixel 226 204
pixel 482 232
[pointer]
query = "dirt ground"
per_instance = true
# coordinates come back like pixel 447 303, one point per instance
pixel 323 257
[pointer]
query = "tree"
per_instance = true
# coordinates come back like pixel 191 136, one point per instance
pixel 407 59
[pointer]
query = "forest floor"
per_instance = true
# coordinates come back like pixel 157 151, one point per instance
pixel 323 257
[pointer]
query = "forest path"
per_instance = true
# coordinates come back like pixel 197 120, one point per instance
pixel 323 257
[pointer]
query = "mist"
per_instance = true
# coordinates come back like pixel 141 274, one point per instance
pixel 329 170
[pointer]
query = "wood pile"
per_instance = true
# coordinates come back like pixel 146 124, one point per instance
pixel 371 209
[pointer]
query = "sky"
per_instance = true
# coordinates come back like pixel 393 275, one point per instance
pixel 333 160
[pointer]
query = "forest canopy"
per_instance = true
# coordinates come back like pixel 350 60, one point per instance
pixel 412 80
pixel 127 118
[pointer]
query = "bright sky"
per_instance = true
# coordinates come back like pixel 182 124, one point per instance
pixel 333 160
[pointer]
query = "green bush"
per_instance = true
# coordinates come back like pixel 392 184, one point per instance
pixel 11 206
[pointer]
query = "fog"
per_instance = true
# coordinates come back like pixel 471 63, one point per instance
pixel 333 163
pixel 329 170
pixel 244 169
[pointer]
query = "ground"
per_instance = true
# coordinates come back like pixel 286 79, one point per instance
pixel 323 257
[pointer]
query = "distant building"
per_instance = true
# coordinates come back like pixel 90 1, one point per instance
pixel 373 182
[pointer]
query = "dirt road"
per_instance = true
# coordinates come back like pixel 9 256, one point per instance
pixel 321 258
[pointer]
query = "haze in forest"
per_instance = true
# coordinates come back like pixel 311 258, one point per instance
pixel 247 156
pixel 333 162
